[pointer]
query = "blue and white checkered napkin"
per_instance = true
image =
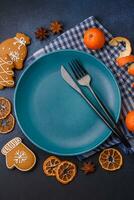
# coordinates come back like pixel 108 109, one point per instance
pixel 73 39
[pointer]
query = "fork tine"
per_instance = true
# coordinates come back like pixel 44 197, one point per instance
pixel 74 72
pixel 77 70
pixel 81 66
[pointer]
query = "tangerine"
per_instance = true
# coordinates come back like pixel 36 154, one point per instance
pixel 94 38
pixel 131 70
pixel 130 121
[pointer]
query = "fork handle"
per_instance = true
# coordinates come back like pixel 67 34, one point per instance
pixel 105 120
pixel 106 111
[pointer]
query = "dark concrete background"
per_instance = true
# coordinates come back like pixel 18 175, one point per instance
pixel 25 16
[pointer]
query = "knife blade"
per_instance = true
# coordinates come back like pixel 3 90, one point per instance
pixel 69 79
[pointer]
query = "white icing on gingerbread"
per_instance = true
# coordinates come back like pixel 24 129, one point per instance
pixel 20 157
pixel 21 41
pixel 5 81
pixel 14 55
pixel 11 145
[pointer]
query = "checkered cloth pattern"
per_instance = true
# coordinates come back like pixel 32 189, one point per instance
pixel 73 39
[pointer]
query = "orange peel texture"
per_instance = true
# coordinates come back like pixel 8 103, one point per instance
pixel 115 42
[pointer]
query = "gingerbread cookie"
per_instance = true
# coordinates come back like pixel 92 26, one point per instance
pixel 6 71
pixel 18 155
pixel 16 49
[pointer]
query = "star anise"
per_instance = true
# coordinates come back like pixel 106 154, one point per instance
pixel 88 167
pixel 56 27
pixel 41 33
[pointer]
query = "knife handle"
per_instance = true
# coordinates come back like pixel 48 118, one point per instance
pixel 105 120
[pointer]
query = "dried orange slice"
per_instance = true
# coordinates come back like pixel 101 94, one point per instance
pixel 7 124
pixel 5 107
pixel 50 165
pixel 110 159
pixel 66 172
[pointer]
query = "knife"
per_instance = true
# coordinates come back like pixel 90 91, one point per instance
pixel 69 79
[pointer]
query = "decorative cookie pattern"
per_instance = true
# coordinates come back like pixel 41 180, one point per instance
pixel 16 49
pixel 18 155
pixel 6 71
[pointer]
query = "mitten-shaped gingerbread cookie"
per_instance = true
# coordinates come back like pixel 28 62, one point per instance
pixel 6 72
pixel 16 49
pixel 18 155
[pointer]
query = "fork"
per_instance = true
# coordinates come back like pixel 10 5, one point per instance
pixel 84 79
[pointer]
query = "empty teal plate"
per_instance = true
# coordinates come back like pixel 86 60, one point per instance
pixel 55 117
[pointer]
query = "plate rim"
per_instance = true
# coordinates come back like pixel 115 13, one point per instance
pixel 17 86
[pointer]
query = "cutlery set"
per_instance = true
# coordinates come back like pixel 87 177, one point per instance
pixel 81 78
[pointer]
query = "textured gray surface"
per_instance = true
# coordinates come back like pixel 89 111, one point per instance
pixel 25 16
